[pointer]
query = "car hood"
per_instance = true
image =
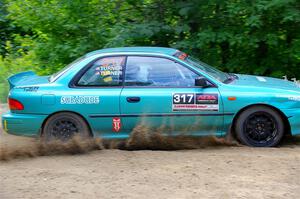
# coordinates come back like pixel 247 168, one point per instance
pixel 268 82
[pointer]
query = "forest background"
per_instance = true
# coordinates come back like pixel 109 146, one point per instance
pixel 260 37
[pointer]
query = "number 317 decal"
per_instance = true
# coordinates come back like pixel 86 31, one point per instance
pixel 184 98
pixel 195 102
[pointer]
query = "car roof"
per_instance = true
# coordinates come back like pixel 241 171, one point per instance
pixel 159 50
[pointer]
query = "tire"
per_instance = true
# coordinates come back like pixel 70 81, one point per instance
pixel 63 126
pixel 259 126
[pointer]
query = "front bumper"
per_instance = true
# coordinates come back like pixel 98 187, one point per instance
pixel 293 116
pixel 22 124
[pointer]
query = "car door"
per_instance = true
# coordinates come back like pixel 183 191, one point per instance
pixel 97 89
pixel 161 93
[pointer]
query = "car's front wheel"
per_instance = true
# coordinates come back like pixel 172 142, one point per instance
pixel 63 126
pixel 259 126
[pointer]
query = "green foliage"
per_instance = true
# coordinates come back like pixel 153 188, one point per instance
pixel 15 61
pixel 256 37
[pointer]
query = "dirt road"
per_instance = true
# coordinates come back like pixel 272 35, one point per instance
pixel 212 172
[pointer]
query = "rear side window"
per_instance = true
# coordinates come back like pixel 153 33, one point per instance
pixel 159 72
pixel 104 72
pixel 55 76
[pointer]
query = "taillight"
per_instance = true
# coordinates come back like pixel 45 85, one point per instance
pixel 15 104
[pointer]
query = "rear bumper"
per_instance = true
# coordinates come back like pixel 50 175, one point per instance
pixel 22 124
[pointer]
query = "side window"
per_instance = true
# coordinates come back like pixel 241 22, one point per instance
pixel 155 71
pixel 104 72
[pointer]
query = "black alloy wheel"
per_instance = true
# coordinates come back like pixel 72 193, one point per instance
pixel 260 126
pixel 64 126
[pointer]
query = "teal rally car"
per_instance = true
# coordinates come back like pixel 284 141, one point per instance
pixel 108 92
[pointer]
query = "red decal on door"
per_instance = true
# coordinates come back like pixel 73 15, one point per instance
pixel 207 97
pixel 116 124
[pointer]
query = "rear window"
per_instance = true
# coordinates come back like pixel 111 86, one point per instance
pixel 56 75
pixel 106 71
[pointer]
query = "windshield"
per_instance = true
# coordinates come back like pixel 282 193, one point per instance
pixel 213 72
pixel 55 76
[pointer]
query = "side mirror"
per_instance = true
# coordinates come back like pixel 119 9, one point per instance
pixel 202 82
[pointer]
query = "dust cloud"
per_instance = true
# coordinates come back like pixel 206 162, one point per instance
pixel 141 138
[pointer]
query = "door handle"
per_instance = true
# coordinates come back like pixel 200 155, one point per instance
pixel 133 99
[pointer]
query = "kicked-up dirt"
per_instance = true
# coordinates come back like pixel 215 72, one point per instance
pixel 147 167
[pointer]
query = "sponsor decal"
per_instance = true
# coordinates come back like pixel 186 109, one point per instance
pixel 116 124
pixel 114 70
pixel 110 68
pixel 289 97
pixel 207 99
pixel 80 100
pixel 294 98
pixel 195 102
pixel 29 88
pixel 181 55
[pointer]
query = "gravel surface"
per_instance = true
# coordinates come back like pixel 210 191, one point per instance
pixel 213 172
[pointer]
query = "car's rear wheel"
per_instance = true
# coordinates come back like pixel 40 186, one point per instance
pixel 63 126
pixel 259 126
